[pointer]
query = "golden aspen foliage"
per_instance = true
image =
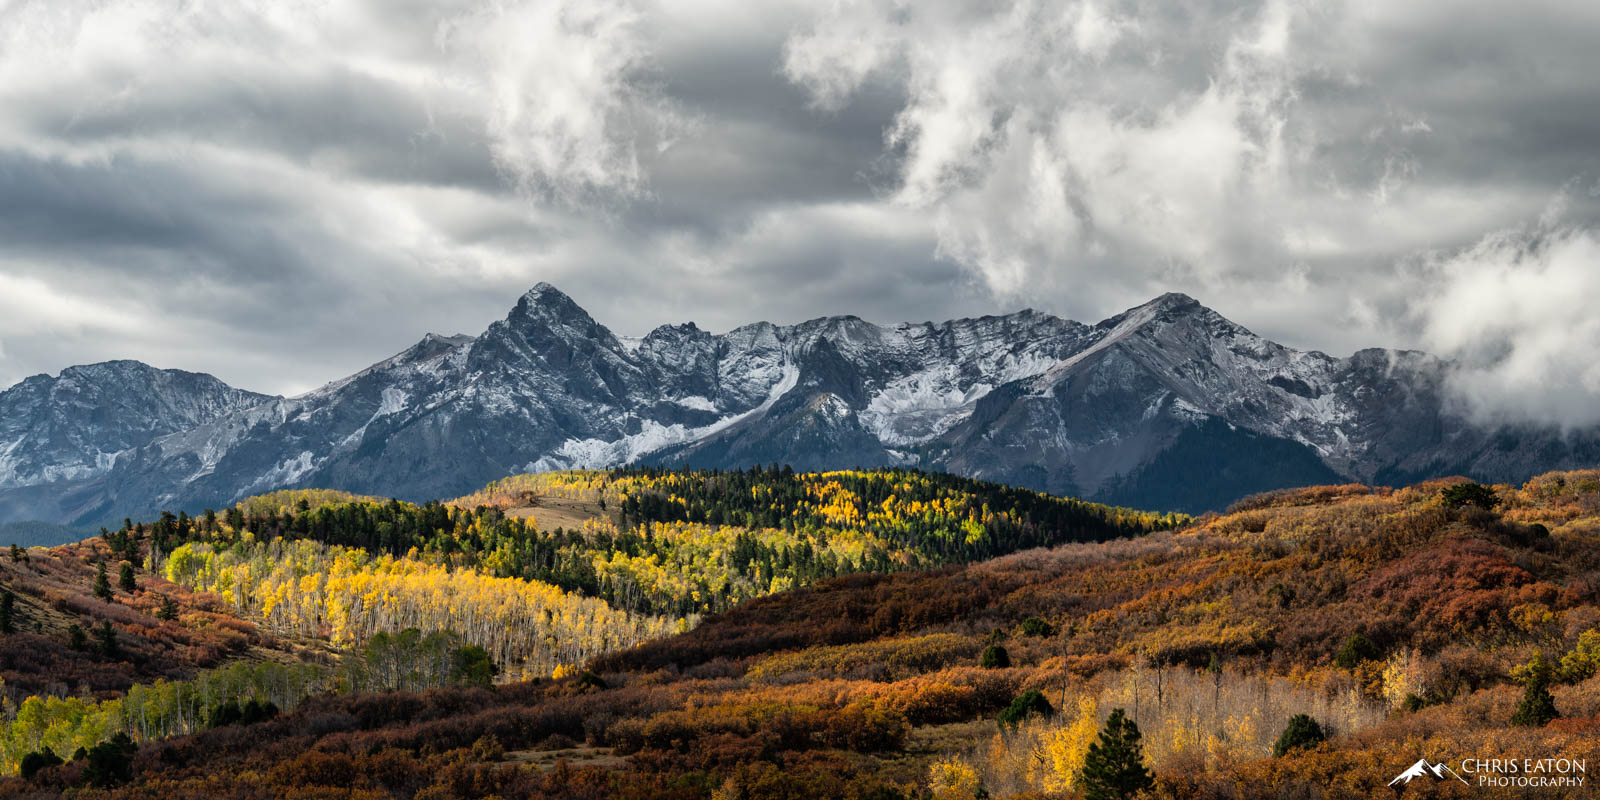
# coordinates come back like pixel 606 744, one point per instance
pixel 307 588
pixel 952 779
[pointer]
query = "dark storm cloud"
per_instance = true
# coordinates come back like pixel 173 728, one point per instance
pixel 281 194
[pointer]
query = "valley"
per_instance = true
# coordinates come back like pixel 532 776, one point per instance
pixel 1403 622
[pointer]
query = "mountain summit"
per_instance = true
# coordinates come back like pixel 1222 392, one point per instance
pixel 1166 405
pixel 61 434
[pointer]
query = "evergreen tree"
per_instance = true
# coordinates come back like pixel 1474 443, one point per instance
pixel 102 585
pixel 472 666
pixel 18 554
pixel 1356 650
pixel 106 638
pixel 1214 669
pixel 125 579
pixel 1114 767
pixel 1028 704
pixel 76 638
pixel 995 657
pixel 168 610
pixel 33 762
pixel 1537 706
pixel 1302 731
pixel 1035 626
pixel 8 610
pixel 257 711
pixel 1469 494
pixel 110 762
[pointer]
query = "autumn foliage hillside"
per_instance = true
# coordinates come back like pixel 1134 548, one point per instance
pixel 1441 621
pixel 394 595
pixel 157 629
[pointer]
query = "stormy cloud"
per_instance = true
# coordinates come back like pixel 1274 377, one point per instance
pixel 282 193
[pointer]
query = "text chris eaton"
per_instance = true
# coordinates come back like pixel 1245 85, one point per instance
pixel 1546 772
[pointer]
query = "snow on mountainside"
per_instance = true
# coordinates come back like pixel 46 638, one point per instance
pixel 72 426
pixel 1168 405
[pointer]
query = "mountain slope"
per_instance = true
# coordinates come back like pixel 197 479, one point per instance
pixel 60 433
pixel 1115 410
pixel 70 426
pixel 1211 638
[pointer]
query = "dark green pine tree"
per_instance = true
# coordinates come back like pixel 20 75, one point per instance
pixel 106 637
pixel 1114 767
pixel 1537 706
pixel 102 584
pixel 1302 731
pixel 994 657
pixel 8 611
pixel 125 579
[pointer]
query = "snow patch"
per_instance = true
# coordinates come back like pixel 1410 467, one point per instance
pixel 921 405
pixel 8 462
pixel 393 402
pixel 915 408
pixel 697 403
pixel 1184 408
pixel 285 473
pixel 653 436
pixel 1135 319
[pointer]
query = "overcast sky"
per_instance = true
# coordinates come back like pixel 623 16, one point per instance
pixel 283 192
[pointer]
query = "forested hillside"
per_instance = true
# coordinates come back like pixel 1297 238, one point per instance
pixel 1308 643
pixel 36 534
pixel 370 594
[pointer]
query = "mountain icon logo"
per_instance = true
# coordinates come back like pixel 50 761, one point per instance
pixel 1424 767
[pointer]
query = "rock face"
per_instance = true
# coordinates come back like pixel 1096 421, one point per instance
pixel 60 434
pixel 1167 405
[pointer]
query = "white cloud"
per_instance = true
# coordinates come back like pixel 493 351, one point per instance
pixel 1518 312
pixel 281 192
pixel 1271 159
pixel 283 173
pixel 1032 164
pixel 28 305
pixel 850 41
pixel 556 87
pixel 567 113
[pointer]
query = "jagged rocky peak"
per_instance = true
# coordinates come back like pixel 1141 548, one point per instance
pixel 687 331
pixel 109 370
pixel 545 318
pixel 1166 308
pixel 435 344
pixel 545 303
pixel 71 427
pixel 846 330
pixel 1175 302
pixel 545 292
pixel 1175 317
pixel 1112 411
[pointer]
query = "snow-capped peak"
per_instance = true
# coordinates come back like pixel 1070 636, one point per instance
pixel 1027 398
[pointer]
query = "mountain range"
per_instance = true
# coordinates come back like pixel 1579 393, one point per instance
pixel 1167 406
